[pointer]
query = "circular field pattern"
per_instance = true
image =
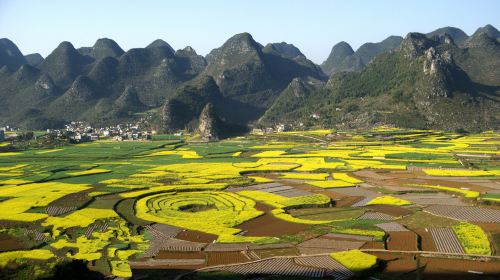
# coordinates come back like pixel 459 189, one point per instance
pixel 210 212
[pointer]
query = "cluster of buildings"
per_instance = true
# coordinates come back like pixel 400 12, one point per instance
pixel 78 132
pixel 5 129
pixel 268 130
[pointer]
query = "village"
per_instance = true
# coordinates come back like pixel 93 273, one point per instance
pixel 81 131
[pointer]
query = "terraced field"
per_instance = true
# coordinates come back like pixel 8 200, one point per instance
pixel 250 205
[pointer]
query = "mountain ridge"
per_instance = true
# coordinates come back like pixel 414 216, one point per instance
pixel 249 83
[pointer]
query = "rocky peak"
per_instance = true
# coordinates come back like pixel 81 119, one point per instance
pixel 490 30
pixel 65 47
pixel 435 61
pixel 209 124
pixel 189 49
pixel 368 51
pixel 187 52
pixel 159 43
pixel 457 34
pixel 106 47
pixel 64 64
pixel 481 40
pixel 444 39
pixel 283 49
pixel 33 59
pixel 10 55
pixel 338 54
pixel 239 45
pixel 415 44
pixel 438 67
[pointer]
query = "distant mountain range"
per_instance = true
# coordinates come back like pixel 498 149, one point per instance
pixel 444 79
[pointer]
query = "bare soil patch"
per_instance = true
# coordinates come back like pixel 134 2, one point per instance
pixel 402 241
pixel 373 245
pixel 268 225
pixel 437 268
pixel 9 243
pixel 179 255
pixel 426 241
pixel 196 236
pixel 220 258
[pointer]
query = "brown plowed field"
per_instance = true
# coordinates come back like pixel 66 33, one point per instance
pixel 348 201
pixel 268 225
pixel 438 268
pixel 396 265
pixel 196 236
pixel 220 258
pixel 373 245
pixel 180 255
pixel 426 242
pixel 9 243
pixel 402 241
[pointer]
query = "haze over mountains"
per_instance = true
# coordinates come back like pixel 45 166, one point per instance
pixel 444 79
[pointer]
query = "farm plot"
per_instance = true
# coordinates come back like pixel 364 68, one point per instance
pixel 432 199
pixel 461 268
pixel 336 270
pixel 167 263
pixel 356 191
pixel 446 241
pixel 363 202
pixel 275 266
pixel 376 216
pixel 355 260
pixel 391 227
pixel 161 231
pixel 278 189
pixel 348 236
pixel 173 245
pixel 465 213
pixel 324 245
pixel 402 241
pixel 221 258
pixel 210 212
pixel 473 239
pixel 222 247
pixel 270 253
pixel 328 213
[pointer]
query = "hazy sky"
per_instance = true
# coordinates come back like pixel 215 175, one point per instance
pixel 312 25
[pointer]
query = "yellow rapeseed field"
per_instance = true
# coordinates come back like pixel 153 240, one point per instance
pixel 22 198
pixel 355 260
pixel 388 200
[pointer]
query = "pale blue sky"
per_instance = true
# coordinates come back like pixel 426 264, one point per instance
pixel 312 25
